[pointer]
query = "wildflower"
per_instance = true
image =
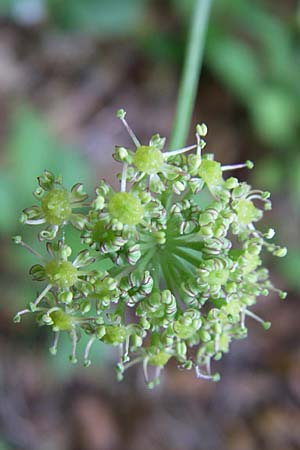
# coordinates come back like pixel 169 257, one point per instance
pixel 126 208
pixel 56 206
pixel 62 276
pixel 177 245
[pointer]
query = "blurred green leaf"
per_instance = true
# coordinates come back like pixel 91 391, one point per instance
pixel 268 174
pixel 294 182
pixel 5 7
pixel 183 7
pixel 162 47
pixel 290 267
pixel 104 18
pixel 254 53
pixel 30 149
pixel 235 63
pixel 7 216
pixel 274 115
pixel 4 446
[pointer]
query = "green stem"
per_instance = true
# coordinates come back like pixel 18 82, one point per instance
pixel 191 73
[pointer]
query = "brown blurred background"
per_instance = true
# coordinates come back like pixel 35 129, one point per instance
pixel 66 66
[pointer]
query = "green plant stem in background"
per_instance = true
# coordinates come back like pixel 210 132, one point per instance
pixel 191 73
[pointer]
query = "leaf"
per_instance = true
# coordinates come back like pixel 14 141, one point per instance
pixel 290 267
pixel 275 115
pixel 31 149
pixel 105 18
pixel 269 174
pixel 293 177
pixel 8 196
pixel 6 7
pixel 234 62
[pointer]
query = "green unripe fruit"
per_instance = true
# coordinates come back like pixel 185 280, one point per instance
pixel 97 232
pixel 231 183
pixel 280 252
pixel 204 335
pixel 61 321
pixel 61 273
pixel 160 359
pixel 183 330
pixel 137 341
pixel 246 212
pixel 65 297
pixel 211 172
pixel 56 206
pixel 126 208
pixel 266 325
pixel 201 129
pixel 85 306
pixel 105 286
pixel 232 308
pixel 250 262
pixel 100 332
pixel 148 159
pixel 181 349
pixel 114 334
pixel 224 342
pixel 218 277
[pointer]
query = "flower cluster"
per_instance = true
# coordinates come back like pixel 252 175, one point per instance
pixel 184 258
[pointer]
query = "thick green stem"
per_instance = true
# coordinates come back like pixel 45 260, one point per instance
pixel 191 73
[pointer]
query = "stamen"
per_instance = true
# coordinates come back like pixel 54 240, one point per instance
pixel 40 297
pixel 254 231
pixel 282 294
pixel 121 351
pixel 130 132
pixel 138 177
pixel 87 361
pixel 199 147
pixel 256 191
pixel 73 358
pixel 18 240
pixel 243 315
pixel 202 375
pixel 208 368
pixel 35 222
pixel 248 164
pixel 124 177
pixel 267 202
pixel 256 197
pixel 53 348
pixel 145 369
pixel 157 374
pixel 177 152
pixel 17 317
pixel 49 233
pixel 46 318
pixel 266 325
pixel 125 356
pixel 51 310
pixel 133 362
pixel 217 340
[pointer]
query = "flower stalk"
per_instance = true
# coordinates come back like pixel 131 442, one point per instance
pixel 191 72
